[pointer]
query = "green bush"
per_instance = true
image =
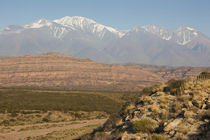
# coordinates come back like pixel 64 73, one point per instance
pixel 204 75
pixel 144 125
pixel 175 87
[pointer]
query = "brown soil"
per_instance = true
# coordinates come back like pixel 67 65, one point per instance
pixel 36 130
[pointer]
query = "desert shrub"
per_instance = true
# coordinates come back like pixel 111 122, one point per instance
pixel 163 106
pixel 144 125
pixel 160 93
pixel 176 83
pixel 38 115
pixel 45 120
pixel 157 137
pixel 14 114
pixel 204 75
pixel 101 116
pixel 150 90
pixel 155 111
pixel 164 115
pixel 164 99
pixel 145 99
pixel 183 98
pixel 175 87
pixel 77 115
pixel 30 111
pixel 176 107
pixel 5 123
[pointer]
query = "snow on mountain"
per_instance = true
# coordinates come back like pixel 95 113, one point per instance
pixel 12 29
pixel 55 29
pixel 182 35
pixel 38 24
pixel 60 27
pixel 83 37
pixel 85 24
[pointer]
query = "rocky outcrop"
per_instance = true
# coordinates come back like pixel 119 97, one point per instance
pixel 178 109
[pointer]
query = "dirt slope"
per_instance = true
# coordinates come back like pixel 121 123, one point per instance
pixel 58 71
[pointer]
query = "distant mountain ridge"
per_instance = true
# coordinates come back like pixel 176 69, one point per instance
pixel 83 37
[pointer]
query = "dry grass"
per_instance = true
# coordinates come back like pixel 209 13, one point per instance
pixel 67 133
pixel 155 109
pixel 146 99
pixel 51 116
pixel 164 99
pixel 158 137
pixel 182 129
pixel 145 125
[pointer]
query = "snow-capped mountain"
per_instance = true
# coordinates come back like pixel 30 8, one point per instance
pixel 88 25
pixel 182 35
pixel 60 27
pixel 83 37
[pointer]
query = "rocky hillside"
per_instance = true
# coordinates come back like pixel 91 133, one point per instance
pixel 59 71
pixel 178 109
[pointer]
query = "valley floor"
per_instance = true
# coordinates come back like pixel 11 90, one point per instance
pixel 60 130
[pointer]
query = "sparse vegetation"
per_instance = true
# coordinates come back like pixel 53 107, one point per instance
pixel 17 100
pixel 157 137
pixel 67 133
pixel 175 87
pixel 145 125
pixel 178 109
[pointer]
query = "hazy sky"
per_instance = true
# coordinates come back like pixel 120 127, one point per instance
pixel 121 14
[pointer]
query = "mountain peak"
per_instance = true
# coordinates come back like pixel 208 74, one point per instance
pixel 88 25
pixel 39 23
pixel 186 28
pixel 181 35
pixel 159 31
pixel 189 28
pixel 75 20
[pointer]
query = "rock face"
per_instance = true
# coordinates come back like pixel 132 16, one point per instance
pixel 164 112
pixel 59 71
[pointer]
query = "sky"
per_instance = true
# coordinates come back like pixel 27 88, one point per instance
pixel 120 14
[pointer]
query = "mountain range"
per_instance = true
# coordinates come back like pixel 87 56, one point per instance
pixel 83 37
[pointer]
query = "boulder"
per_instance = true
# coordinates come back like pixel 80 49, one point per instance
pixel 173 124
